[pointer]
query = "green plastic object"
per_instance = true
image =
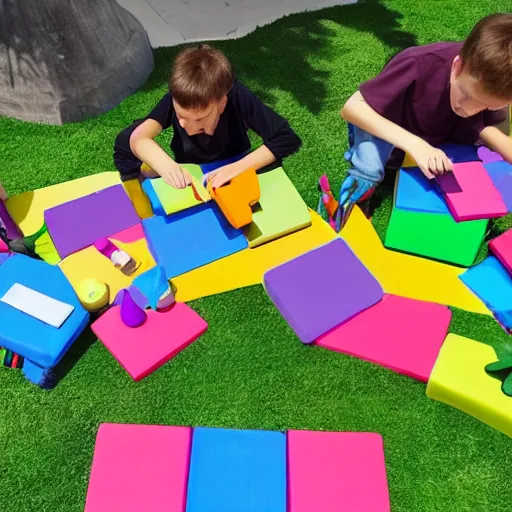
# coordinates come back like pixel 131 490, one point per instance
pixel 502 370
pixel 435 235
pixel 174 200
pixel 279 212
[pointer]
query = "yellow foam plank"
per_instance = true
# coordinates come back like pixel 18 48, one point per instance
pixel 27 209
pixel 89 263
pixel 409 161
pixel 459 379
pixel 409 276
pixel 246 268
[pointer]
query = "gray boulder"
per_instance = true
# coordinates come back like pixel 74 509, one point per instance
pixel 62 61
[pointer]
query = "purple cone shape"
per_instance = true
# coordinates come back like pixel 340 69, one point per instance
pixel 131 314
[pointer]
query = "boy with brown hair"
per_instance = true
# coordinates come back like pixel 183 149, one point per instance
pixel 210 113
pixel 426 96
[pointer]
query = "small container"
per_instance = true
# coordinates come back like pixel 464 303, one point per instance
pixel 121 259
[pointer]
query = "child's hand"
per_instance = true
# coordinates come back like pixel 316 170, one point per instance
pixel 3 193
pixel 176 177
pixel 220 176
pixel 430 160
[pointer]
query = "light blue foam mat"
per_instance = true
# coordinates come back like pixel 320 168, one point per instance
pixel 417 193
pixel 491 282
pixel 33 339
pixel 189 239
pixel 237 470
pixel 501 176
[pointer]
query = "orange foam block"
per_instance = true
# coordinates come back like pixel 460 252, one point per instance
pixel 142 350
pixel 470 193
pixel 502 248
pixel 401 334
pixel 334 471
pixel 236 198
pixel 139 467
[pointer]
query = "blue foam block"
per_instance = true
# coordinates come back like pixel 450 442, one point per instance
pixel 156 205
pixel 491 282
pixel 237 470
pixel 417 193
pixel 211 166
pixel 39 342
pixel 3 256
pixel 459 154
pixel 191 238
pixel 501 176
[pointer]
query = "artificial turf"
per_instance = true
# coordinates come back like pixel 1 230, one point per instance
pixel 249 370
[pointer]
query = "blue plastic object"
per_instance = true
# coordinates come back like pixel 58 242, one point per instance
pixel 237 470
pixel 191 238
pixel 152 284
pixel 501 176
pixel 417 193
pixel 36 341
pixel 491 282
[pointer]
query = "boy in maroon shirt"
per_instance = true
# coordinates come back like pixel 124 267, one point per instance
pixel 430 95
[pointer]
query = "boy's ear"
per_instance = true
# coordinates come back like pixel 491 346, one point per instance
pixel 457 66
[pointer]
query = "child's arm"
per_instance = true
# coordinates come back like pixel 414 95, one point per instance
pixel 496 140
pixel 279 140
pixel 430 160
pixel 147 150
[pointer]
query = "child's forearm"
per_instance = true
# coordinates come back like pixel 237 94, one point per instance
pixel 496 140
pixel 153 155
pixel 359 113
pixel 257 159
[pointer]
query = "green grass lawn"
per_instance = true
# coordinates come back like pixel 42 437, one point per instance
pixel 255 373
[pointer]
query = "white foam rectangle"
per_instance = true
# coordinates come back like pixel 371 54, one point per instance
pixel 38 305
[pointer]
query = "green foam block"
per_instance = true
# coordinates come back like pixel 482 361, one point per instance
pixel 279 212
pixel 174 200
pixel 435 235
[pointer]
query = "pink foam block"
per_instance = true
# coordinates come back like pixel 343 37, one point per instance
pixel 139 467
pixel 502 249
pixel 141 350
pixel 402 334
pixel 334 471
pixel 475 196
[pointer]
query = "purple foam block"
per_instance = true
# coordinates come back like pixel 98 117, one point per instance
pixel 321 289
pixel 131 314
pixel 79 223
pixel 488 156
pixel 13 231
pixel 501 175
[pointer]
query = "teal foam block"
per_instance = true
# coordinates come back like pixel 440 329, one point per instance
pixel 491 282
pixel 33 339
pixel 237 470
pixel 191 238
pixel 416 193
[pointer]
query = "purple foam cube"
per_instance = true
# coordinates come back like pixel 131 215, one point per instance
pixel 501 176
pixel 321 289
pixel 79 223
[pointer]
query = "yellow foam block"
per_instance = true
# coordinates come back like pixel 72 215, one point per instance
pixel 409 161
pixel 459 379
pixel 45 249
pixel 246 268
pixel 27 209
pixel 89 263
pixel 406 275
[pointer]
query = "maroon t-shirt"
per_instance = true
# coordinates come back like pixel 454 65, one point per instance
pixel 413 91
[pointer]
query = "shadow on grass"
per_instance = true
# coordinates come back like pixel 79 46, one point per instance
pixel 279 56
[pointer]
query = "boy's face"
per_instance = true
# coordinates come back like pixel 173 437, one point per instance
pixel 197 121
pixel 467 95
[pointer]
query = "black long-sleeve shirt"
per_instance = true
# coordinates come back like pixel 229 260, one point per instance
pixel 243 110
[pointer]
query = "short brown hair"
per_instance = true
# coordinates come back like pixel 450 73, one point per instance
pixel 487 54
pixel 200 75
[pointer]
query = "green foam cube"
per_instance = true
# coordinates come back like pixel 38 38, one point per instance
pixel 280 210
